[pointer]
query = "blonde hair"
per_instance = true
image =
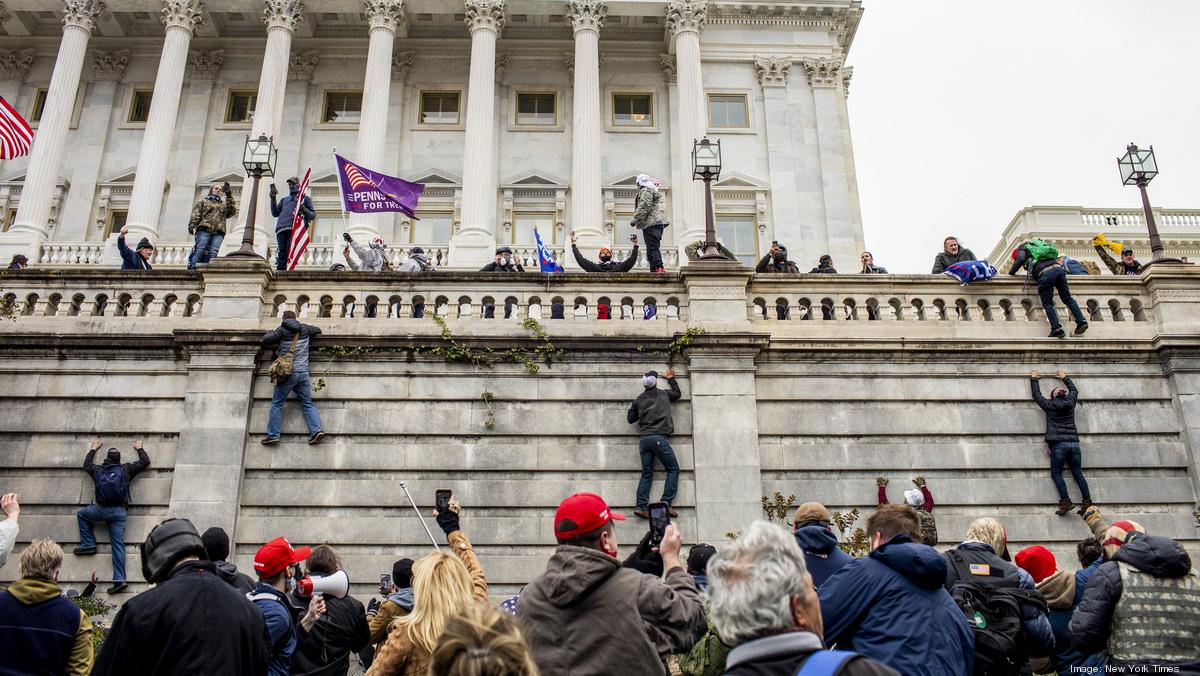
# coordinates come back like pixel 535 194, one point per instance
pixel 441 589
pixel 482 641
pixel 41 560
pixel 988 531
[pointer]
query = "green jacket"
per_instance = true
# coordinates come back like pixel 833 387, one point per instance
pixel 211 215
pixel 707 657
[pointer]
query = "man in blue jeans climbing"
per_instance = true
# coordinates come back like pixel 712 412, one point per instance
pixel 1040 258
pixel 294 338
pixel 652 412
pixel 109 505
pixel 1062 438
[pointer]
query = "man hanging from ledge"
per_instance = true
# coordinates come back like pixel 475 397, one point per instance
pixel 606 264
pixel 503 262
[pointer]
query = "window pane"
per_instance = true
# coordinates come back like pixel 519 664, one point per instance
pixel 523 228
pixel 116 221
pixel 432 229
pixel 8 221
pixel 737 233
pixel 322 230
pixel 535 109
pixel 727 111
pixel 241 106
pixel 343 107
pixel 632 110
pixel 139 111
pixel 39 106
pixel 439 108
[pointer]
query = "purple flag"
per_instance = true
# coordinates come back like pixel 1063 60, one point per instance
pixel 368 192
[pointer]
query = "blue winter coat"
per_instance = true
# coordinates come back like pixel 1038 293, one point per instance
pixel 281 627
pixel 283 210
pixel 821 552
pixel 130 259
pixel 1066 655
pixel 891 606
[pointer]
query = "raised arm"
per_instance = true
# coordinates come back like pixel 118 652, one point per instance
pixel 763 263
pixel 584 264
pixel 1105 256
pixel 89 462
pixel 1019 263
pixel 1036 388
pixel 230 206
pixel 673 394
pixel 138 466
pixel 1072 393
pixel 273 337
pixel 627 264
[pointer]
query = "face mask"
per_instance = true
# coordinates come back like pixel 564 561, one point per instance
pixel 293 189
pixel 605 259
pixel 508 260
pixel 780 257
pixel 291 584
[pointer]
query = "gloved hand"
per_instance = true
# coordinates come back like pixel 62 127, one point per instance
pixel 881 481
pixel 448 520
pixel 346 236
pixel 274 191
pixel 1100 240
pixel 1092 515
pixel 918 481
pixel 191 229
pixel 225 188
pixel 373 606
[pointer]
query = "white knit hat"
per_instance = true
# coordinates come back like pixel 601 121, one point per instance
pixel 914 497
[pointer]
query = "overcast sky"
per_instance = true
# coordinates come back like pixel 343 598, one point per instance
pixel 963 112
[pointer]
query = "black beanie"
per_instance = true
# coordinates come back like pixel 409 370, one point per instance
pixel 697 560
pixel 113 455
pixel 402 573
pixel 216 543
pixel 166 544
pixel 145 244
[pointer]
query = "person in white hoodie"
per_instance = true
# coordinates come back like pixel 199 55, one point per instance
pixel 372 258
pixel 417 261
pixel 8 527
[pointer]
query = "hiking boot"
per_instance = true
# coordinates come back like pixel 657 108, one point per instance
pixel 660 270
pixel 316 437
pixel 1087 504
pixel 1064 506
pixel 643 513
pixel 118 587
pixel 268 441
pixel 83 551
pixel 1058 333
pixel 1080 329
pixel 672 512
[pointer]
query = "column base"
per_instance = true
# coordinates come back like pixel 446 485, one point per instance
pixel 472 251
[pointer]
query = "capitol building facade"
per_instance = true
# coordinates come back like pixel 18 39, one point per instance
pixel 515 114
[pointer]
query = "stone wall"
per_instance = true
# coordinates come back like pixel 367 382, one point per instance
pixel 813 408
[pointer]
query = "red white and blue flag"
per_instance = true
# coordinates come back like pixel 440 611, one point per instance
pixel 546 262
pixel 15 133
pixel 369 192
pixel 300 234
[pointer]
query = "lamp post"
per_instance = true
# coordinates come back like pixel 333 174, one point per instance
pixel 1138 167
pixel 259 160
pixel 706 166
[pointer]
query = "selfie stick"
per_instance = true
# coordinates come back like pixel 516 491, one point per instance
pixel 422 519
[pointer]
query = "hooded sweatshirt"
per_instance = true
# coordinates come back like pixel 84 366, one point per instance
pixel 41 632
pixel 1062 591
pixel 821 552
pixel 586 614
pixel 8 538
pixel 417 262
pixel 229 573
pixel 891 606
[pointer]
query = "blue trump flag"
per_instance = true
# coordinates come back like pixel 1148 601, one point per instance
pixel 545 259
pixel 971 271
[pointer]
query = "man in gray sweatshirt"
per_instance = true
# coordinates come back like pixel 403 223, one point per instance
pixel 296 338
pixel 652 412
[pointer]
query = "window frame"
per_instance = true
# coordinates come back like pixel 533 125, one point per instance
pixel 42 93
pixel 751 112
pixel 229 96
pixel 526 126
pixel 753 218
pixel 708 99
pixel 133 99
pixel 612 123
pixel 110 223
pixel 516 217
pixel 324 109
pixel 412 230
pixel 419 107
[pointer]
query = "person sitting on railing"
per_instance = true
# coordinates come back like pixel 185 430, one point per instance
pixel 648 217
pixel 19 262
pixel 1128 265
pixel 417 262
pixel 606 264
pixel 134 260
pixel 372 258
pixel 207 223
pixel 1041 259
pixel 693 251
pixel 776 260
pixel 504 262
pixel 284 210
pixel 951 253
pixel 868 265
pixel 824 265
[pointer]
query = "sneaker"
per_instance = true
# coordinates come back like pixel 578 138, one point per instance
pixel 316 437
pixel 659 270
pixel 1058 333
pixel 267 441
pixel 1087 504
pixel 1064 506
pixel 118 587
pixel 643 513
pixel 1080 329
pixel 83 551
pixel 672 512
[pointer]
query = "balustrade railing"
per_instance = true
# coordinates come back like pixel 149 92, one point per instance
pixel 103 293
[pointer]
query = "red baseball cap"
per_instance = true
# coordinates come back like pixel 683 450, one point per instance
pixel 277 555
pixel 582 513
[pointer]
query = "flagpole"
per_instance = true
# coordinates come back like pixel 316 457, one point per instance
pixel 341 197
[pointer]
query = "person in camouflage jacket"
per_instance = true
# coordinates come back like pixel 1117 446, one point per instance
pixel 207 223
pixel 920 501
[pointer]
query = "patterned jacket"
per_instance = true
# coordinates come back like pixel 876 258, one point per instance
pixel 211 215
pixel 648 209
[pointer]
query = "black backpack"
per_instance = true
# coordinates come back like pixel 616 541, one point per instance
pixel 111 484
pixel 994 613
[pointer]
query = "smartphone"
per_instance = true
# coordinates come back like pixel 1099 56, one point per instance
pixel 660 518
pixel 442 499
pixel 385 583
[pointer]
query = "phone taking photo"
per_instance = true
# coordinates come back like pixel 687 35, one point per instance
pixel 385 583
pixel 660 518
pixel 442 499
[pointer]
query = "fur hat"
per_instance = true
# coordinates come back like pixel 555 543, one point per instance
pixel 1038 561
pixel 812 512
pixel 1118 533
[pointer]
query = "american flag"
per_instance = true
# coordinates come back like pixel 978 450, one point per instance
pixel 15 134
pixel 300 234
pixel 357 180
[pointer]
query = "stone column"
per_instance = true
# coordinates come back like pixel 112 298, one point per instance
pixel 202 68
pixel 49 142
pixel 295 107
pixel 384 17
pixel 587 16
pixel 145 205
pixel 281 18
pixel 473 244
pixel 75 218
pixel 685 20
pixel 781 162
pixel 843 223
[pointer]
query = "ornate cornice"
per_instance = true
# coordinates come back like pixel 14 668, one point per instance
pixel 823 72
pixel 109 65
pixel 82 13
pixel 686 15
pixel 847 73
pixel 402 63
pixel 387 14
pixel 667 62
pixel 203 66
pixel 772 71
pixel 841 22
pixel 301 66
pixel 501 65
pixel 485 14
pixel 188 14
pixel 587 14
pixel 283 13
pixel 14 65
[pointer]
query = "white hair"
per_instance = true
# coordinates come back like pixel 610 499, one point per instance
pixel 751 583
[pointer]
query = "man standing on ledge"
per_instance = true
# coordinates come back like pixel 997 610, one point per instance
pixel 652 411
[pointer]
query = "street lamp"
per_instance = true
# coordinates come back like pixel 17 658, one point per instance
pixel 706 166
pixel 1138 167
pixel 259 160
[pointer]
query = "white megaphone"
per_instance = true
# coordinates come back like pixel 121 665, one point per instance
pixel 337 584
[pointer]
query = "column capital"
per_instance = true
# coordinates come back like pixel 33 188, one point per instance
pixel 402 63
pixel 203 66
pixel 772 71
pixel 387 14
pixel 847 73
pixel 823 72
pixel 686 15
pixel 485 14
pixel 667 63
pixel 283 13
pixel 14 65
pixel 109 65
pixel 586 14
pixel 82 13
pixel 187 14
pixel 301 66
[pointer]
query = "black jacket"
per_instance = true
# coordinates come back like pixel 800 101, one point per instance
pixel 765 264
pixel 786 653
pixel 1025 262
pixel 945 260
pixel 229 573
pixel 511 267
pixel 828 269
pixel 652 409
pixel 132 469
pixel 606 266
pixel 342 630
pixel 1060 413
pixel 193 623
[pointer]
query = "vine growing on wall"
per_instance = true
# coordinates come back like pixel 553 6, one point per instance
pixel 677 344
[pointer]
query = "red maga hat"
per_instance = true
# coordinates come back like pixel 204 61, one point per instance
pixel 582 513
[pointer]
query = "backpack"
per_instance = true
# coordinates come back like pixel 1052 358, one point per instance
pixel 825 662
pixel 1041 250
pixel 994 614
pixel 282 366
pixel 111 484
